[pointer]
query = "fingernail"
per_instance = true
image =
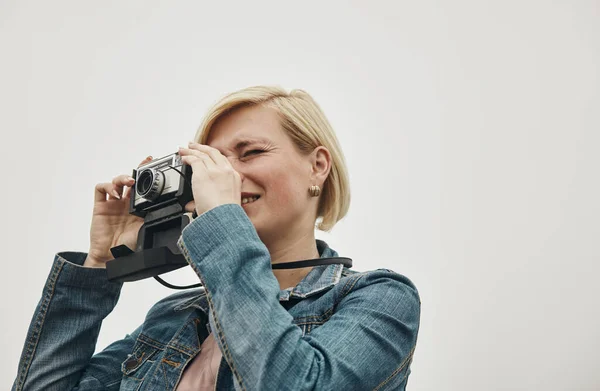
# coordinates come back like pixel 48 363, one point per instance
pixel 130 178
pixel 114 192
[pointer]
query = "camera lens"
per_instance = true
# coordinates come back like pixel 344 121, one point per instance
pixel 144 182
pixel 150 184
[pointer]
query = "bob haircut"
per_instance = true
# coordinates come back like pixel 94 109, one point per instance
pixel 306 125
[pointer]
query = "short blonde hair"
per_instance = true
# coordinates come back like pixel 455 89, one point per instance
pixel 306 125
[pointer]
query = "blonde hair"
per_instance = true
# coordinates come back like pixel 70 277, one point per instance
pixel 306 125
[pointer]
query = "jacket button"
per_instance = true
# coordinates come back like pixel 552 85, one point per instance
pixel 132 362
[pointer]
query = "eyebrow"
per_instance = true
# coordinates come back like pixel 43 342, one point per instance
pixel 249 141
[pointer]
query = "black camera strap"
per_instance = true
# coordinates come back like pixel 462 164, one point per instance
pixel 347 262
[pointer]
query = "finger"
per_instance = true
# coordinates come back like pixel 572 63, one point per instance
pixel 193 153
pixel 190 206
pixel 126 193
pixel 198 161
pixel 146 160
pixel 214 154
pixel 119 182
pixel 102 190
pixel 99 192
pixel 208 159
pixel 114 190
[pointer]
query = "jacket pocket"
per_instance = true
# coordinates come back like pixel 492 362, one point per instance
pixel 138 364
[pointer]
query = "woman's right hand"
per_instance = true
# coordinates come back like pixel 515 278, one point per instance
pixel 112 224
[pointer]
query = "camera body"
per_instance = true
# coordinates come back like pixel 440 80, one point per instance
pixel 161 191
pixel 161 182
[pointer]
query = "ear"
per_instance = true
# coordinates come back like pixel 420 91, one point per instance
pixel 320 160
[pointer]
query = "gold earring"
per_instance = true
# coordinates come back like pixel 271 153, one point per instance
pixel 314 191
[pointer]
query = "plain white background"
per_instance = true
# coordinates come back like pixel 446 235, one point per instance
pixel 471 130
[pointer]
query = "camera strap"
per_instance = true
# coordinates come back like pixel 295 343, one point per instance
pixel 347 262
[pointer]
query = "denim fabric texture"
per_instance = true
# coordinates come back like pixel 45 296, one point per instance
pixel 338 329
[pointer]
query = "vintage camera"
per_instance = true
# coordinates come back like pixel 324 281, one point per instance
pixel 161 191
pixel 159 182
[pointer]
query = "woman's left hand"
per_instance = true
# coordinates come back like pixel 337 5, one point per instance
pixel 214 181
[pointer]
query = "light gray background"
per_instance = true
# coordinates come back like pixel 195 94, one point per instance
pixel 471 131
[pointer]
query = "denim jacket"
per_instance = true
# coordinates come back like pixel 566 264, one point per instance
pixel 337 329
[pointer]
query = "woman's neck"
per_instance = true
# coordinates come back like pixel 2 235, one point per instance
pixel 297 249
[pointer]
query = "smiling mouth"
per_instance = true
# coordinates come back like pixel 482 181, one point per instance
pixel 249 200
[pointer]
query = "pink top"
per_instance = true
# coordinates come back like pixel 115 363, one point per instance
pixel 201 373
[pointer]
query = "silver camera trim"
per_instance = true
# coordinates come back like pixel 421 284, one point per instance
pixel 172 178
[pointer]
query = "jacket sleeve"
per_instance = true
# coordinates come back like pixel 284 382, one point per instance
pixel 367 342
pixel 62 336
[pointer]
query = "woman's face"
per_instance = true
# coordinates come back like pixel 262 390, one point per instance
pixel 275 175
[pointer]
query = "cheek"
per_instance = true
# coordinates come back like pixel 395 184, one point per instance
pixel 283 188
pixel 282 191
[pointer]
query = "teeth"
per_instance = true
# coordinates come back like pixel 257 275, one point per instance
pixel 248 200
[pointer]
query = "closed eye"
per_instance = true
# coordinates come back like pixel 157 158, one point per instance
pixel 253 152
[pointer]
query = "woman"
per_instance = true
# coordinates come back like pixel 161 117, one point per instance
pixel 266 167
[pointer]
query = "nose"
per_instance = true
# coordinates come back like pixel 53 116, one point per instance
pixel 236 166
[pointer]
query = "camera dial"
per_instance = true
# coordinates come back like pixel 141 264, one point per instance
pixel 150 184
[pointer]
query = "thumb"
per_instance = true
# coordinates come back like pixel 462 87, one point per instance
pixel 190 206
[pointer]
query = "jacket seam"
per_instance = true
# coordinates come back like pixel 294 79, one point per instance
pixel 330 280
pixel 406 373
pixel 347 289
pixel 226 352
pixel 311 323
pixel 408 359
pixel 143 338
pixel 320 319
pixel 314 318
pixel 403 364
pixel 182 350
pixel 39 323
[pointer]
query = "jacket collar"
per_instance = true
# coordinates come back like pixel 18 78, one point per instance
pixel 319 279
